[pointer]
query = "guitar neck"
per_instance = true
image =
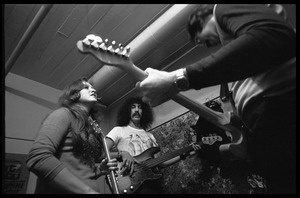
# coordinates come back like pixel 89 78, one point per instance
pixel 217 118
pixel 119 57
pixel 156 161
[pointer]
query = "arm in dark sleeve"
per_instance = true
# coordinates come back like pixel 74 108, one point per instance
pixel 262 40
pixel 41 158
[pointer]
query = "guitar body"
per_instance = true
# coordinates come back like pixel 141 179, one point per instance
pixel 142 172
pixel 130 184
pixel 145 166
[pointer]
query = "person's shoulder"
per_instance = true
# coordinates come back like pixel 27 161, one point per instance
pixel 119 128
pixel 225 7
pixel 61 112
pixel 116 128
pixel 59 115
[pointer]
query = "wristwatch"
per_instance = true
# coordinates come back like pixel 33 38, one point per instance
pixel 181 82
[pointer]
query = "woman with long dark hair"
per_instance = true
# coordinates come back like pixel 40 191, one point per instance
pixel 68 154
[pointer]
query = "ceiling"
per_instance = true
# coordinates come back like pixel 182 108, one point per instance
pixel 50 56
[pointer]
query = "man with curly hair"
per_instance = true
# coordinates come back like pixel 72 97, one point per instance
pixel 135 144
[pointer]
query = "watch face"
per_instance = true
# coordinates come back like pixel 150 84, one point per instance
pixel 182 84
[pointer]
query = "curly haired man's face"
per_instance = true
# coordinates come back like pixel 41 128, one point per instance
pixel 136 112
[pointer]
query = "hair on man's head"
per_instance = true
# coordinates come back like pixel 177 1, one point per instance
pixel 197 18
pixel 124 114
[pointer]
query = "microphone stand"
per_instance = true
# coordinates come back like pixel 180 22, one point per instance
pixel 112 174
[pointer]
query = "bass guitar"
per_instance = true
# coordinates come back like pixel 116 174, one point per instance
pixel 119 57
pixel 145 164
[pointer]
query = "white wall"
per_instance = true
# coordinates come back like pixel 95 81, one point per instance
pixel 26 105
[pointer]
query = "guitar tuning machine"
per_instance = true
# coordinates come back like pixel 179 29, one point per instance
pixel 121 51
pixel 125 52
pixel 89 39
pixel 111 47
pixel 96 42
pixel 103 45
pixel 127 49
pixel 118 50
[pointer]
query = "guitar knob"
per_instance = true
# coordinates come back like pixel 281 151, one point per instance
pixel 125 191
pixel 131 187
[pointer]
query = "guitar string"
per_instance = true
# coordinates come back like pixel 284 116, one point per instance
pixel 155 161
pixel 148 164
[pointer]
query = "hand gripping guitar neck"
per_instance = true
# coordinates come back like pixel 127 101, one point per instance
pixel 118 56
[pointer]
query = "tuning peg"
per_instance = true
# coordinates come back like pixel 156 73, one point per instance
pixel 97 41
pixel 118 50
pixel 89 39
pixel 103 46
pixel 126 51
pixel 111 47
pixel 121 50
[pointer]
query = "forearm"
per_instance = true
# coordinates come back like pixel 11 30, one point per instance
pixel 68 182
pixel 232 62
pixel 256 47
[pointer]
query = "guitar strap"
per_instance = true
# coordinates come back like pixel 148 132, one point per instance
pixel 228 105
pixel 224 92
pixel 226 98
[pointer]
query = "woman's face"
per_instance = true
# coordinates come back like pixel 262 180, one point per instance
pixel 88 93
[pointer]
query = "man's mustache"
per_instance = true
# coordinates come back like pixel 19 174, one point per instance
pixel 136 114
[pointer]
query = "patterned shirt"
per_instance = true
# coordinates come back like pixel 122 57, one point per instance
pixel 134 141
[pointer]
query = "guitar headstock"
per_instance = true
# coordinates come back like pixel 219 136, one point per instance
pixel 211 139
pixel 110 54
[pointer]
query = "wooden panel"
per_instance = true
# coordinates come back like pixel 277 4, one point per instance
pixel 17 19
pixel 32 59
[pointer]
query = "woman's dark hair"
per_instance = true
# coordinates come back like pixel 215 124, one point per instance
pixel 87 144
pixel 197 18
pixel 124 114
